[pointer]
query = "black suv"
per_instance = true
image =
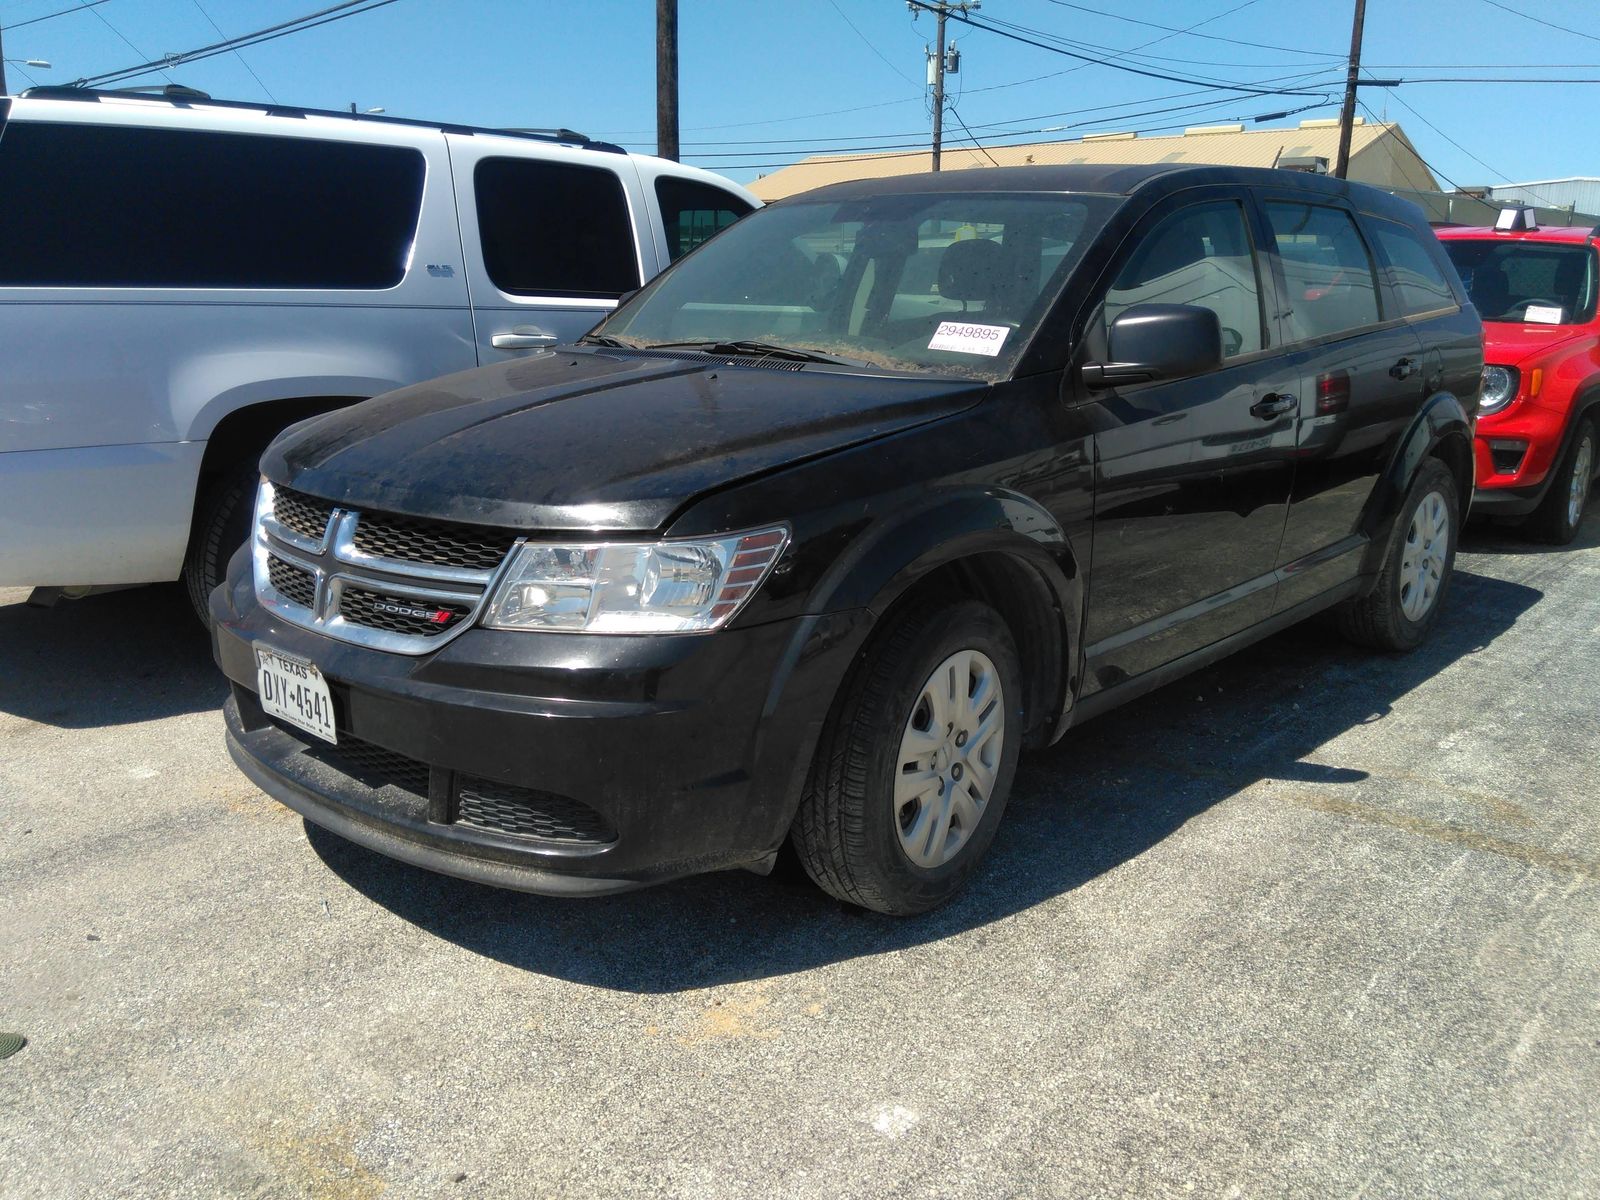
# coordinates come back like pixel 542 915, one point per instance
pixel 811 537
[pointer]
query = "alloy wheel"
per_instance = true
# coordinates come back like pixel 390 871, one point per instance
pixel 1582 474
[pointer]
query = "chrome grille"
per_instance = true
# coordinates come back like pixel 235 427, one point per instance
pixel 295 583
pixel 437 543
pixel 391 582
pixel 306 515
pixel 524 812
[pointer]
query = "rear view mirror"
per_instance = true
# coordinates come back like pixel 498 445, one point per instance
pixel 1158 341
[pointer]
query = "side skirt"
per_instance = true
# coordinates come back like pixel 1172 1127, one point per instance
pixel 1104 701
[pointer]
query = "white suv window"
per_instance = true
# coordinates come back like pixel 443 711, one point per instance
pixel 114 206
pixel 555 229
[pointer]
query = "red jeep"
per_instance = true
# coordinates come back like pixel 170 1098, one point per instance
pixel 1536 441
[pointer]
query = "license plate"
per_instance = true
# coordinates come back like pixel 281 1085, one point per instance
pixel 296 692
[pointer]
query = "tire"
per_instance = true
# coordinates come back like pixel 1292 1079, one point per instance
pixel 221 526
pixel 1560 513
pixel 853 830
pixel 1404 603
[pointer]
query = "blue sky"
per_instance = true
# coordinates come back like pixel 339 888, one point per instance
pixel 763 81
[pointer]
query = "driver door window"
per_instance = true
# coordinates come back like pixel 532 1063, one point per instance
pixel 1200 256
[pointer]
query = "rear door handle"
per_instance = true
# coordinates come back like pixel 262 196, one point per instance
pixel 1274 405
pixel 523 337
pixel 1404 369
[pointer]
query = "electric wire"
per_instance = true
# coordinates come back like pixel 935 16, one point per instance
pixel 87 4
pixel 236 54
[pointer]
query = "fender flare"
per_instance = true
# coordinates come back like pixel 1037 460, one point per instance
pixel 891 558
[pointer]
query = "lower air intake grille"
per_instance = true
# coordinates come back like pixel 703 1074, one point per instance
pixel 292 583
pixel 523 812
pixel 397 614
pixel 372 765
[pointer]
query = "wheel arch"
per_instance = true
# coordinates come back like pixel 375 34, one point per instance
pixel 1441 429
pixel 996 546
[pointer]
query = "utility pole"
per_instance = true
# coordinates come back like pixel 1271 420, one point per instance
pixel 667 79
pixel 941 58
pixel 1347 115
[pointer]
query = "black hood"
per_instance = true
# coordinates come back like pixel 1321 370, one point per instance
pixel 591 439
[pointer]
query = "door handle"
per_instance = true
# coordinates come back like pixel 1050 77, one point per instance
pixel 1274 405
pixel 523 337
pixel 1404 369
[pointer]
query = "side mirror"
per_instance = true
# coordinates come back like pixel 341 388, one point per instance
pixel 1158 341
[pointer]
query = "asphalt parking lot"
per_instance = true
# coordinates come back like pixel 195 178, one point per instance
pixel 1312 923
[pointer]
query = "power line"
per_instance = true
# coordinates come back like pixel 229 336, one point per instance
pixel 975 23
pixel 99 17
pixel 972 139
pixel 870 46
pixel 1517 12
pixel 236 54
pixel 87 4
pixel 1210 37
pixel 338 12
pixel 1545 199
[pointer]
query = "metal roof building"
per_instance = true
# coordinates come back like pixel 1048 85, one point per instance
pixel 1580 193
pixel 1379 154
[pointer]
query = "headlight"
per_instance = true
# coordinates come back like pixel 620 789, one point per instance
pixel 1498 387
pixel 617 587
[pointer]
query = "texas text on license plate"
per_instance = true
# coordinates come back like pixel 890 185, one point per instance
pixel 296 692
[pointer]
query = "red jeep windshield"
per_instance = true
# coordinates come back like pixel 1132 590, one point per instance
pixel 1523 282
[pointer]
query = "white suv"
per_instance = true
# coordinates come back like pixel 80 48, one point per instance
pixel 182 278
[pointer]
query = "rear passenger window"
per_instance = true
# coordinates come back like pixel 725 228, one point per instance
pixel 1418 277
pixel 1332 288
pixel 555 229
pixel 113 206
pixel 1198 256
pixel 693 211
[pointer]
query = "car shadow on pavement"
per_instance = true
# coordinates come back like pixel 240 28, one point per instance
pixel 1100 797
pixel 1489 537
pixel 114 659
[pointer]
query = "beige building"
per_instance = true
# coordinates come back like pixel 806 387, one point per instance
pixel 1379 154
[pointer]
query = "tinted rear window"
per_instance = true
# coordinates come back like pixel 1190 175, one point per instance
pixel 1418 275
pixel 1332 289
pixel 113 206
pixel 692 212
pixel 555 229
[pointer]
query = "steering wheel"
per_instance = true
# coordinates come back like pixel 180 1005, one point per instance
pixel 1232 341
pixel 1540 302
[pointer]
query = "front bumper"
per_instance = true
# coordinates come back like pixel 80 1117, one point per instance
pixel 649 758
pixel 1526 439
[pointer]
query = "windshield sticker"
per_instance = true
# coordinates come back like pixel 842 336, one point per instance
pixel 971 339
pixel 1543 315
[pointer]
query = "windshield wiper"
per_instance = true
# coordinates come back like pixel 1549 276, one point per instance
pixel 755 350
pixel 603 339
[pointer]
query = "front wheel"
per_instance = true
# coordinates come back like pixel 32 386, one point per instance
pixel 915 764
pixel 1404 603
pixel 221 526
pixel 1560 513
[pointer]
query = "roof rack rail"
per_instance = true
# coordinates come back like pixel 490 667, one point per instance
pixel 181 95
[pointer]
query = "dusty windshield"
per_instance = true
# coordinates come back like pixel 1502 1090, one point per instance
pixel 945 284
pixel 1526 282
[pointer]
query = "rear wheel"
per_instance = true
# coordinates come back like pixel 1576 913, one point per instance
pixel 1403 605
pixel 221 526
pixel 1560 513
pixel 916 762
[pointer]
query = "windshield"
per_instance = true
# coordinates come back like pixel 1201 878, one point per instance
pixel 948 284
pixel 1526 282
